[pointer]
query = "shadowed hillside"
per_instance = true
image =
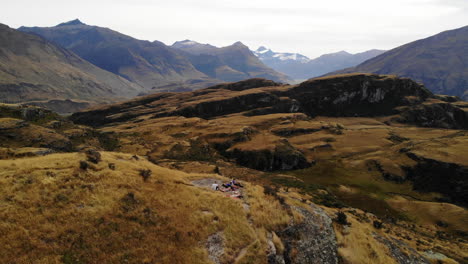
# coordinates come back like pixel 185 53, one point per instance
pixel 33 69
pixel 230 63
pixel 440 62
pixel 149 64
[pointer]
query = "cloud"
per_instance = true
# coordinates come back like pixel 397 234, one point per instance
pixel 305 26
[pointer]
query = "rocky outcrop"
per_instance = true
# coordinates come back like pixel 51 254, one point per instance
pixel 229 105
pixel 246 84
pixel 357 95
pixel 62 106
pixel 401 252
pixel 430 175
pixel 351 95
pixel 442 115
pixel 283 157
pixel 313 240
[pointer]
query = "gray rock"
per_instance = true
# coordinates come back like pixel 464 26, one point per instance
pixel 313 239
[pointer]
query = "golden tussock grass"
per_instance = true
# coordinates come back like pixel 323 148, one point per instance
pixel 52 211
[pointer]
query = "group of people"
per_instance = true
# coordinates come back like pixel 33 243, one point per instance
pixel 233 185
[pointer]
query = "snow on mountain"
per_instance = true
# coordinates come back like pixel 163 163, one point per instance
pixel 301 67
pixel 265 53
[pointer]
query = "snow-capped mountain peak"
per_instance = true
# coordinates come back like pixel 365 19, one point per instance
pixel 186 43
pixel 265 53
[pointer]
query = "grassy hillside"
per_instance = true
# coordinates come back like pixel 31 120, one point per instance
pixel 332 189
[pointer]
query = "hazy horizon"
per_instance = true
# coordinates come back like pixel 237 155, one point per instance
pixel 311 29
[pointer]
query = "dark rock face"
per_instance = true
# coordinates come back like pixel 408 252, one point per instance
pixel 353 95
pixel 62 106
pixel 443 115
pixel 247 84
pixel 229 105
pixel 290 132
pixel 356 95
pixel 283 157
pixel 437 176
pixel 313 240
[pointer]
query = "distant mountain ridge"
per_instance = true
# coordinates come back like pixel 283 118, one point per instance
pixel 439 61
pixel 231 63
pixel 149 64
pixel 153 65
pixel 300 67
pixel 34 69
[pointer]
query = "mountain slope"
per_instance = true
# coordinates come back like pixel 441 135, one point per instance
pixel 231 63
pixel 32 68
pixel 301 67
pixel 149 64
pixel 149 197
pixel 440 62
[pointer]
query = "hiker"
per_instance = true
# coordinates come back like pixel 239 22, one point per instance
pixel 234 182
pixel 215 187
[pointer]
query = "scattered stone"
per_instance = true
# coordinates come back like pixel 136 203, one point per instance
pixel 442 223
pixel 400 251
pixel 84 165
pixel 341 218
pixel 145 174
pixel 377 224
pixel 93 156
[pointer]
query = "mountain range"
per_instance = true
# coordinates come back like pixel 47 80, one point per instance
pixel 439 61
pixel 300 67
pixel 152 64
pixel 94 64
pixel 231 63
pixel 34 69
pixel 148 64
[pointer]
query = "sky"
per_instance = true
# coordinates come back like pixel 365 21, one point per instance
pixel 309 27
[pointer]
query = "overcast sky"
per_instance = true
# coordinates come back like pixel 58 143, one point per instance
pixel 304 26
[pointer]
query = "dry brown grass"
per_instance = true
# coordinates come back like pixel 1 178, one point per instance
pixel 429 213
pixel 52 211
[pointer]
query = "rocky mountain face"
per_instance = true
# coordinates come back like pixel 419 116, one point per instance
pixel 300 67
pixel 33 69
pixel 231 63
pixel 440 62
pixel 148 64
